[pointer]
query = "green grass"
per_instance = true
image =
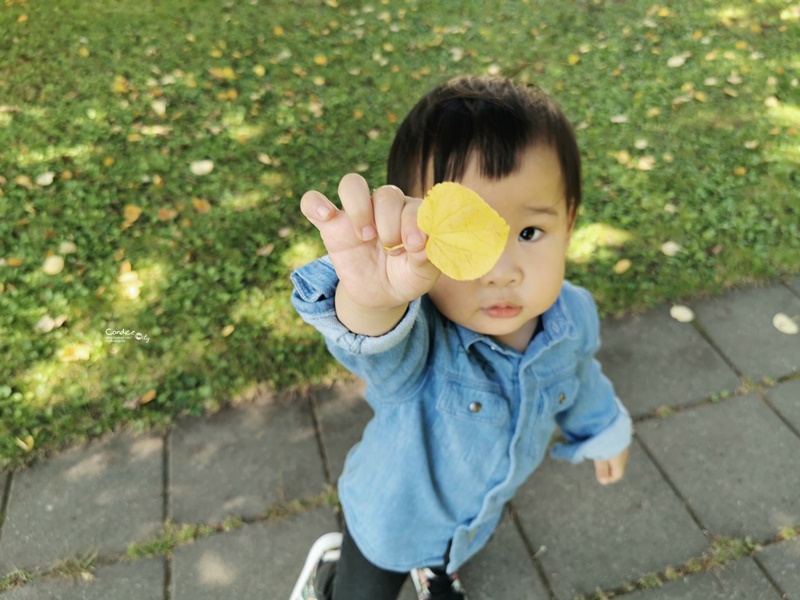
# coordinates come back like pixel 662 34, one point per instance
pixel 116 99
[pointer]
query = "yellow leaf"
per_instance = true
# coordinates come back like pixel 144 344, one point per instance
pixel 466 237
pixel 53 265
pixel 701 97
pixel 259 70
pixel 622 266
pixel 26 444
pixel 320 60
pixel 22 18
pixel 623 157
pixel 277 31
pixel 121 85
pixel 740 171
pixel 132 213
pixel 83 52
pixel 14 262
pixel 573 59
pixel 201 206
pixel 225 73
pixel 167 214
pixel 148 396
pixel 74 352
pixel 227 330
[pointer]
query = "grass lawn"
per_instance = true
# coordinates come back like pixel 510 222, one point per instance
pixel 153 153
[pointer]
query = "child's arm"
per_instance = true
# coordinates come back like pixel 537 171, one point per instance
pixel 375 284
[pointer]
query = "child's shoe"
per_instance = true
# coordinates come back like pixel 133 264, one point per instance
pixel 326 549
pixel 434 586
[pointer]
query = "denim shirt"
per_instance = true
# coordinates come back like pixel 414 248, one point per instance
pixel 460 420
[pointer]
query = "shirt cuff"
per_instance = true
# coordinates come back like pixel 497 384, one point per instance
pixel 607 444
pixel 314 299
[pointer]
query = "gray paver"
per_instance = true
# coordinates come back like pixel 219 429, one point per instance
pixel 343 414
pixel 139 580
pixel 740 323
pixel 602 536
pixel 742 580
pixel 253 563
pixel 786 398
pixel 656 361
pixel 794 284
pixel 244 459
pixel 503 569
pixel 732 462
pixel 101 497
pixel 782 561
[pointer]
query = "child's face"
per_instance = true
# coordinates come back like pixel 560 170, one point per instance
pixel 506 303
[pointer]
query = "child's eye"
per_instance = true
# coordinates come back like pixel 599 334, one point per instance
pixel 530 234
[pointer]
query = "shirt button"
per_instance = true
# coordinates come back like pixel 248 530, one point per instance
pixel 475 407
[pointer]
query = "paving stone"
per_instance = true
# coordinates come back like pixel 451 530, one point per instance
pixel 656 361
pixel 503 568
pixel 782 561
pixel 794 285
pixel 602 536
pixel 734 463
pixel 742 580
pixel 244 459
pixel 139 580
pixel 98 498
pixel 258 561
pixel 740 323
pixel 343 415
pixel 786 398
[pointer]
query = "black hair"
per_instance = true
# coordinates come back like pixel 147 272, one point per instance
pixel 493 116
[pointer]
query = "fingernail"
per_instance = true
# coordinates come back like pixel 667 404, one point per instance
pixel 323 211
pixel 368 233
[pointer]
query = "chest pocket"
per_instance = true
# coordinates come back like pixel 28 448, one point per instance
pixel 475 402
pixel 556 396
pixel 559 395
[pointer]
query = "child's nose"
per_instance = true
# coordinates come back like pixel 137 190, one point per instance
pixel 505 272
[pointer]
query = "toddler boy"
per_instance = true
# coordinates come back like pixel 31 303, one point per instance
pixel 468 379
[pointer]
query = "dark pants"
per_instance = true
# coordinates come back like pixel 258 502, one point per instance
pixel 353 577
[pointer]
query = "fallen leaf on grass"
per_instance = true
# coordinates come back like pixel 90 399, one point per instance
pixel 167 214
pixel 670 248
pixel 131 213
pixel 679 60
pixel 75 352
pixel 785 324
pixel 466 237
pixel 45 179
pixel 622 266
pixel 26 444
pixel 681 313
pixel 227 330
pixel 137 402
pixel 53 265
pixel 201 206
pixel 202 167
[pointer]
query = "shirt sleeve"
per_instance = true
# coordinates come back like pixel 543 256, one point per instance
pixel 393 360
pixel 597 426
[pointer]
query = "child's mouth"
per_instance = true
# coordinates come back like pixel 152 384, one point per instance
pixel 502 311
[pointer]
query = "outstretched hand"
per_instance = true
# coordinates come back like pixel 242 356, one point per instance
pixel 377 250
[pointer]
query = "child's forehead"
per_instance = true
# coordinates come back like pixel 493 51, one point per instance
pixel 537 161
